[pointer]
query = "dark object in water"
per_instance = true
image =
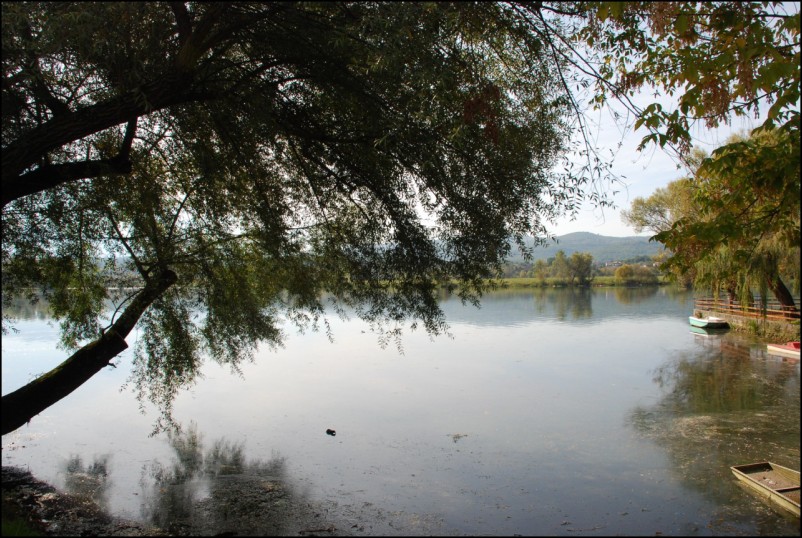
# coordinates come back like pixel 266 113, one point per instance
pixel 331 432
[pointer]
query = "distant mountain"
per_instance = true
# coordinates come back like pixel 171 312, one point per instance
pixel 603 248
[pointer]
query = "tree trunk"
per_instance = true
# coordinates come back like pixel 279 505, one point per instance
pixel 778 287
pixel 23 404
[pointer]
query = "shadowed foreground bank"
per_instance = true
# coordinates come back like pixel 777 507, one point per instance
pixel 40 509
pixel 48 511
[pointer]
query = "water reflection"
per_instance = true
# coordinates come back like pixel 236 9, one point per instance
pixel 216 490
pixel 725 403
pixel 25 308
pixel 505 307
pixel 550 412
pixel 515 307
pixel 626 295
pixel 722 381
pixel 88 482
pixel 574 303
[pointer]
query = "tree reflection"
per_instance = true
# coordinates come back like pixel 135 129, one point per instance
pixel 217 491
pixel 30 307
pixel 723 405
pixel 176 487
pixel 567 303
pixel 722 384
pixel 634 295
pixel 88 482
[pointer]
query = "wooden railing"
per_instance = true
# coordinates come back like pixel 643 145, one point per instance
pixel 774 310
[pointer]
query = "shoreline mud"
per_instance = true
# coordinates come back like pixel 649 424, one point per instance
pixel 253 507
pixel 51 512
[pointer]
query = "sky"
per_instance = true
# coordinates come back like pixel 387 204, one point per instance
pixel 642 172
pixel 645 172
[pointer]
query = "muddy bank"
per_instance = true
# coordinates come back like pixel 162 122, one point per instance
pixel 251 507
pixel 245 505
pixel 57 514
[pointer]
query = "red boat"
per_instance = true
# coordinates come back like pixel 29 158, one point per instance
pixel 789 349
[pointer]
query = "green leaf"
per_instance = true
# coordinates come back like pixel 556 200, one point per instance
pixel 682 23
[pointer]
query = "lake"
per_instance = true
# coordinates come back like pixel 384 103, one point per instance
pixel 546 412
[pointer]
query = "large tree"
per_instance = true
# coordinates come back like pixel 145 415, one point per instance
pixel 214 168
pixel 755 205
pixel 748 208
pixel 257 154
pixel 658 213
pixel 580 266
pixel 717 60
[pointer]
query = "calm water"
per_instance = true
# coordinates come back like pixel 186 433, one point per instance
pixel 551 412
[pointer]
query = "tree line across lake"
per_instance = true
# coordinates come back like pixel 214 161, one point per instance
pixel 579 269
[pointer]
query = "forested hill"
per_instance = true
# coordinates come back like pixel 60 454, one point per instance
pixel 602 248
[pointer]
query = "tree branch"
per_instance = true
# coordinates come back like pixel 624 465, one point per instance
pixel 128 139
pixel 38 81
pixel 195 42
pixel 26 402
pixel 166 91
pixel 50 176
pixel 182 21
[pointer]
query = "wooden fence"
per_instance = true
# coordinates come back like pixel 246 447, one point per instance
pixel 774 310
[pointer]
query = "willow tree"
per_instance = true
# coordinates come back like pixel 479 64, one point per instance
pixel 237 160
pixel 717 61
pixel 752 201
pixel 748 206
